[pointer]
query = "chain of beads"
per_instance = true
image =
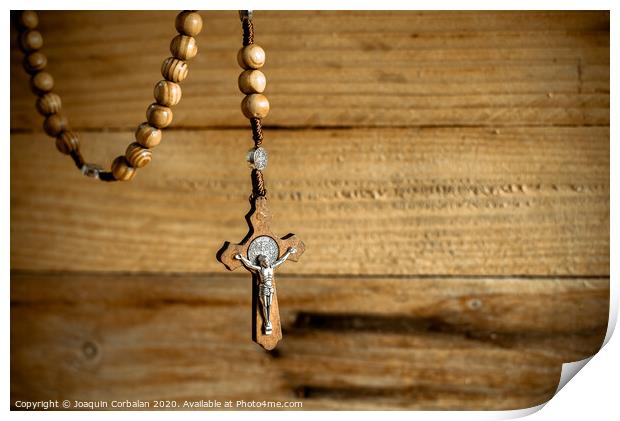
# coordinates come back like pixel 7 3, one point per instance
pixel 255 105
pixel 167 93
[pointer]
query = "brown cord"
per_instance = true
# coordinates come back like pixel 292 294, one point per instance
pixel 258 184
pixel 248 31
pixel 106 176
pixel 77 159
pixel 257 131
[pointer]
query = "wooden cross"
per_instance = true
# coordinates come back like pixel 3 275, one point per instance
pixel 261 241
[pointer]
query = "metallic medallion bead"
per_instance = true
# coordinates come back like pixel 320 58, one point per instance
pixel 183 47
pixel 174 70
pixel 255 105
pixel 148 136
pixel 265 246
pixel 167 93
pixel 91 170
pixel 67 142
pixel 35 62
pixel 31 40
pixel 121 169
pixel 28 19
pixel 137 155
pixel 49 103
pixel 251 57
pixel 252 82
pixel 158 115
pixel 54 124
pixel 42 83
pixel 257 157
pixel 188 23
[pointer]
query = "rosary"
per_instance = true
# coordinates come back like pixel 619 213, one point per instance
pixel 261 251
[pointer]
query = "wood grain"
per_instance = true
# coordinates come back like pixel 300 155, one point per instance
pixel 367 68
pixel 367 343
pixel 391 201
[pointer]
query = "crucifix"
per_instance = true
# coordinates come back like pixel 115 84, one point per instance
pixel 260 252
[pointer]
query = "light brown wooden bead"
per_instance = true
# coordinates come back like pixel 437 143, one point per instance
pixel 67 142
pixel 147 135
pixel 158 115
pixel 29 19
pixel 183 47
pixel 42 83
pixel 188 23
pixel 31 40
pixel 35 62
pixel 174 70
pixel 137 155
pixel 54 124
pixel 251 57
pixel 167 93
pixel 255 105
pixel 49 103
pixel 121 169
pixel 252 82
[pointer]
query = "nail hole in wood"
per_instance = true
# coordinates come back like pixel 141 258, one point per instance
pixel 90 350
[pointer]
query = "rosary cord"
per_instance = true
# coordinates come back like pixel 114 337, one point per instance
pixel 167 93
pixel 255 105
pixel 258 183
pixel 248 30
pixel 76 155
pixel 257 131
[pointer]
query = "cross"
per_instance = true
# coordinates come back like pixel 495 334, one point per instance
pixel 260 252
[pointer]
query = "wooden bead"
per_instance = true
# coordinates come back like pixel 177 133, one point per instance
pixel 188 23
pixel 252 82
pixel 251 57
pixel 54 124
pixel 255 105
pixel 167 93
pixel 31 40
pixel 49 103
pixel 183 47
pixel 148 136
pixel 138 156
pixel 35 62
pixel 67 142
pixel 174 70
pixel 158 115
pixel 28 19
pixel 42 83
pixel 121 169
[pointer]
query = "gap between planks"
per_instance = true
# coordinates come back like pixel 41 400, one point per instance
pixel 17 131
pixel 413 277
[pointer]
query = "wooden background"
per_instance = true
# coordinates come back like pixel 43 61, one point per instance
pixel 449 173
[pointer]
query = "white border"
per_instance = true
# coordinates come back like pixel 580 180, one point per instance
pixel 592 394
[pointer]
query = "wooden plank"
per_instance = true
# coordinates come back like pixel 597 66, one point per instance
pixel 335 68
pixel 421 343
pixel 474 201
